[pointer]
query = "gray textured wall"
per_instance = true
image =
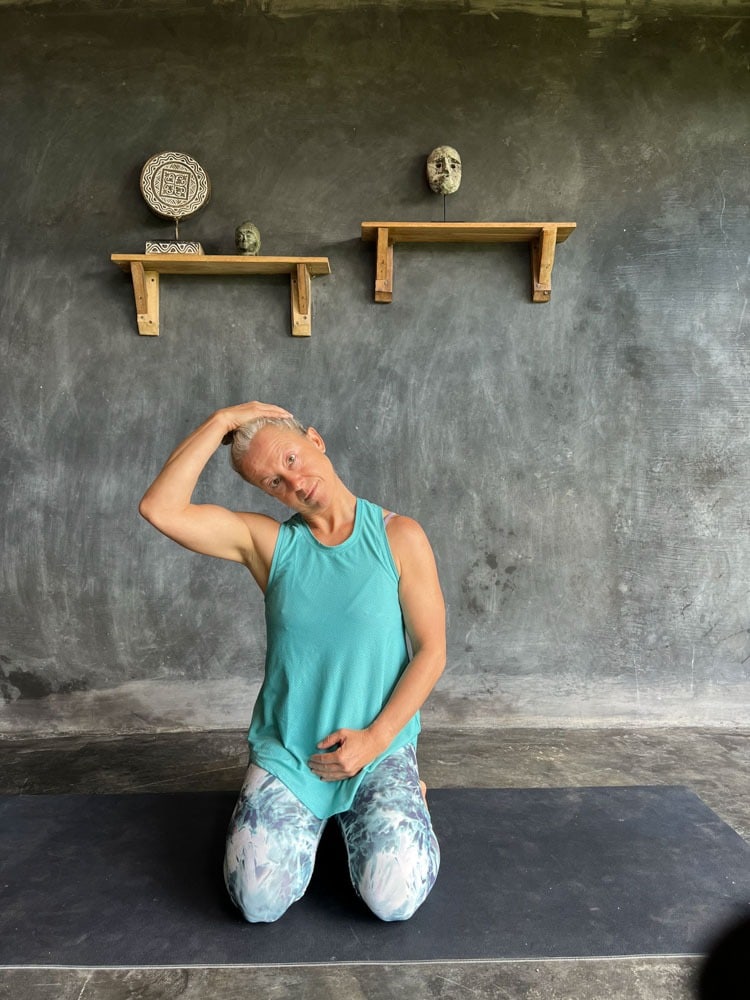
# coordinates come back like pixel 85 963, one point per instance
pixel 582 467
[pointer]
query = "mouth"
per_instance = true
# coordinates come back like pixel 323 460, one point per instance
pixel 309 496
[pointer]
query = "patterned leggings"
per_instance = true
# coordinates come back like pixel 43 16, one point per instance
pixel 392 850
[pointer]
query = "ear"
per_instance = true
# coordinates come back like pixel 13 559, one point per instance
pixel 316 439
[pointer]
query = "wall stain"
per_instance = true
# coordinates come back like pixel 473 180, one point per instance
pixel 485 581
pixel 22 684
pixel 639 361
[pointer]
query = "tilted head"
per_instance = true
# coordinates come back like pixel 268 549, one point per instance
pixel 288 462
pixel 444 170
pixel 243 436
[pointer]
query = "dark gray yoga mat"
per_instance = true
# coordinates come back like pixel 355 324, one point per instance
pixel 132 880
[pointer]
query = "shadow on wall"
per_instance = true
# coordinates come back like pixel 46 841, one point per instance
pixel 724 973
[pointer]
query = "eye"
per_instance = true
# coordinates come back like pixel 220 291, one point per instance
pixel 291 460
pixel 273 484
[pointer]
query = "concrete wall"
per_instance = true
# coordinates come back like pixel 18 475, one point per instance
pixel 581 467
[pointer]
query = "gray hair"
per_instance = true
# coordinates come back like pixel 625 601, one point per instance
pixel 241 438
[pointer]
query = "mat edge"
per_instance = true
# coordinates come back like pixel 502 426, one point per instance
pixel 396 962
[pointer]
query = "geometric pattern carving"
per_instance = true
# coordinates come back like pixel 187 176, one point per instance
pixel 174 185
pixel 172 246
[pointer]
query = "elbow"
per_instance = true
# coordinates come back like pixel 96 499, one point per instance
pixel 436 657
pixel 148 510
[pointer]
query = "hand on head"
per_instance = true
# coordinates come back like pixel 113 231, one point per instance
pixel 245 413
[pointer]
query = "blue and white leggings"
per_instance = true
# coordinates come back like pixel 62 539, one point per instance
pixel 393 852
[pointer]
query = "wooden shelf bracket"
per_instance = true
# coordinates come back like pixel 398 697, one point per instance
pixel 146 289
pixel 541 236
pixel 145 270
pixel 384 267
pixel 301 301
pixel 542 259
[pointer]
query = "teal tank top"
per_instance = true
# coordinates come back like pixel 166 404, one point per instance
pixel 336 647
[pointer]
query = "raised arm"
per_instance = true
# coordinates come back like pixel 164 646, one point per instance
pixel 424 615
pixel 207 528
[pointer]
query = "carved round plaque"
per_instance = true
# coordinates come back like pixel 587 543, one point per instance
pixel 174 185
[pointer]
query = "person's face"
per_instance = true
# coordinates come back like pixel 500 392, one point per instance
pixel 246 240
pixel 291 467
pixel 444 170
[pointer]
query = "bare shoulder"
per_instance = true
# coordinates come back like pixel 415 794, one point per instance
pixel 260 526
pixel 402 527
pixel 408 541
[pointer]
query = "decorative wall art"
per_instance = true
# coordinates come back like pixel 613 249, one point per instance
pixel 174 186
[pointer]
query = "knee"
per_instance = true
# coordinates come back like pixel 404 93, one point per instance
pixel 258 908
pixel 393 888
pixel 259 901
pixel 261 888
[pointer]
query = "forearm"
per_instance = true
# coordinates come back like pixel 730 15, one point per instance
pixel 411 692
pixel 347 751
pixel 208 528
pixel 174 486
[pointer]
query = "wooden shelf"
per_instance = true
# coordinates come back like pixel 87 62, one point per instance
pixel 145 268
pixel 542 236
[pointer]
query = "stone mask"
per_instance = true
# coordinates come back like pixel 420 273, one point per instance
pixel 444 170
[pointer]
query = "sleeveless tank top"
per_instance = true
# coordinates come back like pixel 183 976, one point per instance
pixel 336 647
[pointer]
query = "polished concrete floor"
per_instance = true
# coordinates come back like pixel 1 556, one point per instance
pixel 714 763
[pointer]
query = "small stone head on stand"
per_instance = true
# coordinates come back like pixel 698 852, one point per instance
pixel 247 239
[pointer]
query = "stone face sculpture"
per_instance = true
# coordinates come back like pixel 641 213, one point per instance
pixel 444 170
pixel 247 239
